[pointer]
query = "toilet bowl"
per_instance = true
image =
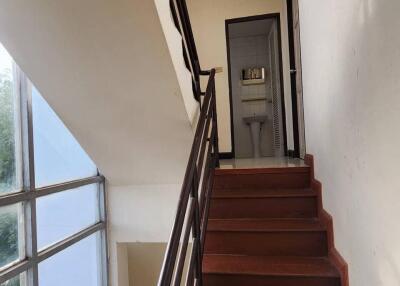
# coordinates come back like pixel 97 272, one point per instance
pixel 255 122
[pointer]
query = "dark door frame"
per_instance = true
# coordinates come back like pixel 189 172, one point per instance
pixel 293 81
pixel 277 16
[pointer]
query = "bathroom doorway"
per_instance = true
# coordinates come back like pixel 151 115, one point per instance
pixel 258 119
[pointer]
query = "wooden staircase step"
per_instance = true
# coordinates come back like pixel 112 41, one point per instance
pixel 275 237
pixel 268 170
pixel 263 203
pixel 265 229
pixel 236 270
pixel 265 225
pixel 293 177
pixel 262 193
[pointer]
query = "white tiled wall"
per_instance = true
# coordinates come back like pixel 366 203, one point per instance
pixel 247 52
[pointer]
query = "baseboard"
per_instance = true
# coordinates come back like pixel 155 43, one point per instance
pixel 226 155
pixel 327 220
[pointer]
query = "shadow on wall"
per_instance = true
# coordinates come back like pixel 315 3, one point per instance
pixel 144 261
pixel 351 119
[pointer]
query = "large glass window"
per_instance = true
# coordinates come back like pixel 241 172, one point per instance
pixel 58 156
pixel 9 159
pixel 15 281
pixel 63 214
pixel 84 264
pixel 11 234
pixel 52 208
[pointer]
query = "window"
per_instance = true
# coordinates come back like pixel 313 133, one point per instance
pixel 58 156
pixel 11 234
pixel 15 281
pixel 9 175
pixel 63 214
pixel 52 201
pixel 82 260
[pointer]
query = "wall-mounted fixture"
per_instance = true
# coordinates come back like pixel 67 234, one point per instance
pixel 252 76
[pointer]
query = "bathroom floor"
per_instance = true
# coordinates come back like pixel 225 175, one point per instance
pixel 265 162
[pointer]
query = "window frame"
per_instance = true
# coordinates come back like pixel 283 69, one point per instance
pixel 28 195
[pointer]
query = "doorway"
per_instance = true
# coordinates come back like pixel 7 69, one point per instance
pixel 258 120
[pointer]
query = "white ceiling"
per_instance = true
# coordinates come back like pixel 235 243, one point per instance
pixel 105 68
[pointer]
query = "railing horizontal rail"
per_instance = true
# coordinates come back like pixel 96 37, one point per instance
pixel 194 198
pixel 193 204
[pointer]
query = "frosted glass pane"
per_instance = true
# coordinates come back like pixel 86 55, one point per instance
pixel 63 214
pixel 78 265
pixel 11 234
pixel 58 156
pixel 9 128
pixel 19 280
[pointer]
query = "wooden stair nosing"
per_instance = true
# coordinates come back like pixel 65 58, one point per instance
pixel 265 225
pixel 257 171
pixel 262 193
pixel 269 266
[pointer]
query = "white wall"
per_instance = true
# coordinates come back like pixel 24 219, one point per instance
pixel 120 265
pixel 351 59
pixel 138 214
pixel 208 21
pixel 174 41
pixel 145 261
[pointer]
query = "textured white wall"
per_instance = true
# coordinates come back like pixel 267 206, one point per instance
pixel 208 21
pixel 145 261
pixel 174 41
pixel 351 60
pixel 138 214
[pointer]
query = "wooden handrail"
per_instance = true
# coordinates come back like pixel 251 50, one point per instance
pixel 194 200
pixel 181 18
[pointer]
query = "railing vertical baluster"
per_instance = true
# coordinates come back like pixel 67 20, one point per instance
pixel 196 225
pixel 196 174
pixel 215 123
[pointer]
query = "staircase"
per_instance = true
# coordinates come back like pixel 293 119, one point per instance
pixel 249 227
pixel 266 227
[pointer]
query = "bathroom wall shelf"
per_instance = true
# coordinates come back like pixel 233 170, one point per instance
pixel 255 98
pixel 253 81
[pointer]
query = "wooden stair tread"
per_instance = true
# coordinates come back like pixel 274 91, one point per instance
pixel 269 266
pixel 265 225
pixel 271 170
pixel 262 193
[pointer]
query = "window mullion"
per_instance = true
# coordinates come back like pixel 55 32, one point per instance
pixel 104 251
pixel 28 178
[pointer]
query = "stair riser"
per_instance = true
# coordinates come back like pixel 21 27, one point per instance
pixel 286 207
pixel 256 181
pixel 253 280
pixel 267 243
